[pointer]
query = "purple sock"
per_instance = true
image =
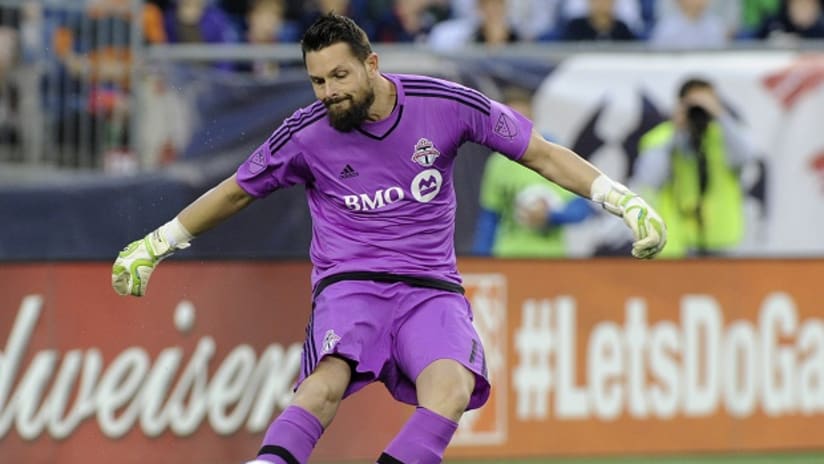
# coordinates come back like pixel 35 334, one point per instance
pixel 291 437
pixel 422 440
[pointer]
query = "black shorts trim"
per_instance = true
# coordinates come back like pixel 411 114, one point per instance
pixel 280 452
pixel 413 281
pixel 388 459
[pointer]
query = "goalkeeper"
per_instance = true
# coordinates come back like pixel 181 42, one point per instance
pixel 375 154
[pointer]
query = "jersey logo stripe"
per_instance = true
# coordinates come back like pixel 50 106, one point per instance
pixel 292 120
pixel 448 97
pixel 292 131
pixel 483 103
pixel 292 125
pixel 435 85
pixel 311 353
pixel 445 84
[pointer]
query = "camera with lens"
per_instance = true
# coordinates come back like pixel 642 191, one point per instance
pixel 698 119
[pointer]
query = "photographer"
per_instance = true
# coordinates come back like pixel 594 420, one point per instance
pixel 692 162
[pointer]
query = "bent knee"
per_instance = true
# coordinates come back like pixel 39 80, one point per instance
pixel 323 390
pixel 446 387
pixel 320 390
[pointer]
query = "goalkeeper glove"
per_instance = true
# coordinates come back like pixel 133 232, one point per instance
pixel 648 229
pixel 134 265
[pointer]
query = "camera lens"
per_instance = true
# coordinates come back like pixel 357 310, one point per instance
pixel 698 118
pixel 697 114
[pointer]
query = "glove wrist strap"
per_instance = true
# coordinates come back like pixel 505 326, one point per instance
pixel 600 188
pixel 175 234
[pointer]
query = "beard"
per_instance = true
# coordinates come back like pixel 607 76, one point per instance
pixel 345 120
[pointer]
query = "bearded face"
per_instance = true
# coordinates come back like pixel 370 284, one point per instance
pixel 348 111
pixel 343 83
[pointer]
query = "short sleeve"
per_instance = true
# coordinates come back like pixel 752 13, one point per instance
pixel 499 128
pixel 278 163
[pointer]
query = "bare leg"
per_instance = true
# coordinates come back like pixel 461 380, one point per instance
pixel 293 435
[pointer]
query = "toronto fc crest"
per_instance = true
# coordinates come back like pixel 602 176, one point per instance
pixel 425 153
pixel 330 340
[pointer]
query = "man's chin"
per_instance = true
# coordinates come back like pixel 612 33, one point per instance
pixel 343 125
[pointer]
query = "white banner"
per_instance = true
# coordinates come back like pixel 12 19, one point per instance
pixel 603 101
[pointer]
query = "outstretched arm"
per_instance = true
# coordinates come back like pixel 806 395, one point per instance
pixel 564 167
pixel 134 265
pixel 560 165
pixel 214 206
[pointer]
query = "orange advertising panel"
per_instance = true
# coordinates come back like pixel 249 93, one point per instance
pixel 586 357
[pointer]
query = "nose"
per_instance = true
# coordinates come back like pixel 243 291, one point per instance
pixel 330 89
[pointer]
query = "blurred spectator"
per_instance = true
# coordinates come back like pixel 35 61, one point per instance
pixel 754 13
pixel 600 23
pixel 627 11
pixel 488 26
pixel 690 25
pixel 93 111
pixel 198 21
pixel 167 121
pixel 729 12
pixel 407 21
pixel 531 19
pixel 10 130
pixel 522 214
pixel 313 9
pixel 238 12
pixel 693 162
pixel 266 25
pixel 494 28
pixel 154 31
pixel 9 39
pixel 796 19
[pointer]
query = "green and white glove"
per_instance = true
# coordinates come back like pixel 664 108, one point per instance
pixel 648 229
pixel 134 265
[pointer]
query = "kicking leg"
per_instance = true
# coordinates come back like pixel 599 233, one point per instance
pixel 437 346
pixel 444 389
pixel 292 436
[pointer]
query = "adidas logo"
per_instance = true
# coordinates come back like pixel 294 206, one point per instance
pixel 348 172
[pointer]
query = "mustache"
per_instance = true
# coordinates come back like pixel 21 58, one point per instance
pixel 331 101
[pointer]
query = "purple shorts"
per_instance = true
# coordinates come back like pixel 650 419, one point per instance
pixel 391 332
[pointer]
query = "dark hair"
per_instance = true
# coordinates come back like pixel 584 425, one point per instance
pixel 693 83
pixel 332 28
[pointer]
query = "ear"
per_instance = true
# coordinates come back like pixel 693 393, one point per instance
pixel 372 64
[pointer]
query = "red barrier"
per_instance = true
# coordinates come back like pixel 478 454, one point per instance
pixel 587 357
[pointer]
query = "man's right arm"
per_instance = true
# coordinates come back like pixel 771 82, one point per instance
pixel 134 265
pixel 214 206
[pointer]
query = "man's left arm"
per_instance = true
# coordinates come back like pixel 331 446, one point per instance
pixel 739 147
pixel 567 169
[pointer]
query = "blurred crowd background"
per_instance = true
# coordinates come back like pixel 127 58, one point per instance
pixel 109 105
pixel 61 61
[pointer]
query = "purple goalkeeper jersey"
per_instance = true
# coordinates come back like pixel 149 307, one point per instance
pixel 382 197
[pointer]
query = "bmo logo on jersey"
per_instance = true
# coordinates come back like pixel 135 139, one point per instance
pixel 377 200
pixel 425 186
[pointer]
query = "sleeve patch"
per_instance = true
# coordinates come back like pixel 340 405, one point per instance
pixel 505 127
pixel 257 161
